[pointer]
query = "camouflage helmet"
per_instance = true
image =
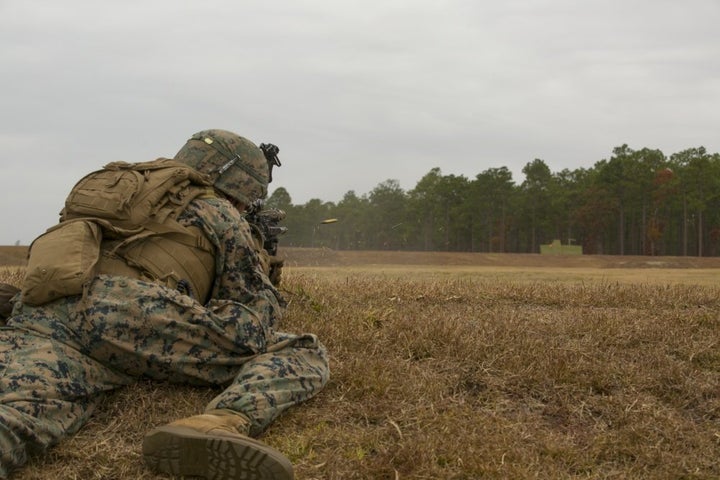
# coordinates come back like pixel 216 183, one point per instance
pixel 237 167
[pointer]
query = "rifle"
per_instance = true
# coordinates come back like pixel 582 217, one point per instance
pixel 266 221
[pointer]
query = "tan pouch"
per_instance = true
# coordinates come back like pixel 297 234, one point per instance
pixel 61 261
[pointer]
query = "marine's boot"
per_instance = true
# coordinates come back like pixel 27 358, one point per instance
pixel 214 445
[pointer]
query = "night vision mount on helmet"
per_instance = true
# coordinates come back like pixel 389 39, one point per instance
pixel 236 166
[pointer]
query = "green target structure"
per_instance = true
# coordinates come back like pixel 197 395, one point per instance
pixel 557 248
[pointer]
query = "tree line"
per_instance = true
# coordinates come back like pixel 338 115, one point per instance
pixel 637 202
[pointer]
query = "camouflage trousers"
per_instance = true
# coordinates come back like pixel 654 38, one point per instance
pixel 56 360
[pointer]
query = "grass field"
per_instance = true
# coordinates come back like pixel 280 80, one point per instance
pixel 469 367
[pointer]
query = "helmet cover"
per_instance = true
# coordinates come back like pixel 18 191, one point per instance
pixel 236 166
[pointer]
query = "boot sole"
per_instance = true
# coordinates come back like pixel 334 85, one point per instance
pixel 182 451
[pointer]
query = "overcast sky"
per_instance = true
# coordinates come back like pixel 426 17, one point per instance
pixel 353 92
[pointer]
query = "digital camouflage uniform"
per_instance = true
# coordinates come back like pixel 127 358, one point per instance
pixel 57 359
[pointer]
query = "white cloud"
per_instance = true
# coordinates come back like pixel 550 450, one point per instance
pixel 353 92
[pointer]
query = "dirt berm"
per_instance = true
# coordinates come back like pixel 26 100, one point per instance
pixel 323 257
pixel 326 257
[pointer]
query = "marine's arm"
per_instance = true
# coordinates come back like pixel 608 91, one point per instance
pixel 239 271
pixel 7 293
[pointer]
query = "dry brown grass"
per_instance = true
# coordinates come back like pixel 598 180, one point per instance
pixel 463 376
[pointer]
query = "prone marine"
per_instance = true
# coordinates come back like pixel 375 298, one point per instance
pixel 154 272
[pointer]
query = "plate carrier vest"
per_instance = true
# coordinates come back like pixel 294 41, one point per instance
pixel 122 220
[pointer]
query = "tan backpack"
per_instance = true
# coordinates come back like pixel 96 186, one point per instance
pixel 121 219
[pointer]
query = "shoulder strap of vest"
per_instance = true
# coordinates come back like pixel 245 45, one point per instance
pixel 172 230
pixel 175 231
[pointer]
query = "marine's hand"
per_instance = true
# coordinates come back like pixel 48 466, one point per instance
pixel 7 292
pixel 276 266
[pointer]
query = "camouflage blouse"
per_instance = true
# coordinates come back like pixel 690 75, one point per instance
pixel 238 273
